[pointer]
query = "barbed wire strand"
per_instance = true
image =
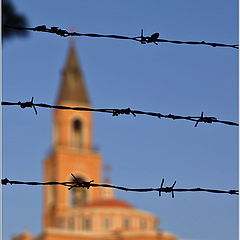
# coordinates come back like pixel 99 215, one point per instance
pixel 117 112
pixel 83 184
pixel 154 38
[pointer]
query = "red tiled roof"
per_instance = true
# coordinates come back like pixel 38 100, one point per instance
pixel 109 203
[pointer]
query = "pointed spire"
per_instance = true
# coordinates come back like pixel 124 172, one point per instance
pixel 72 89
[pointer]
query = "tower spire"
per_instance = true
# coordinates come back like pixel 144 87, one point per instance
pixel 72 89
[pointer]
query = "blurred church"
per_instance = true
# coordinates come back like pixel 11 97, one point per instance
pixel 80 213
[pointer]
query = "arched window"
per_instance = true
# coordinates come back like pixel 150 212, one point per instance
pixel 106 223
pixel 143 224
pixel 126 223
pixel 71 224
pixel 77 134
pixel 87 224
pixel 78 195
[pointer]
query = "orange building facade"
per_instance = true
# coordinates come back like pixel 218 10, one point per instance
pixel 80 213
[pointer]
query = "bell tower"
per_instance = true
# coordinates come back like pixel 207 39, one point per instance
pixel 72 150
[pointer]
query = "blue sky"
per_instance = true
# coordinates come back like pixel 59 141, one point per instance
pixel 168 78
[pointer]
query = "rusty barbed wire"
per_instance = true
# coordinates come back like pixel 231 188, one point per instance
pixel 154 38
pixel 83 184
pixel 117 112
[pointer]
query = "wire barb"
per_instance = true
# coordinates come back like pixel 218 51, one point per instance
pixel 127 111
pixel 117 112
pixel 205 119
pixel 166 189
pixel 154 38
pixel 28 104
pixel 5 181
pixel 161 188
pixel 83 184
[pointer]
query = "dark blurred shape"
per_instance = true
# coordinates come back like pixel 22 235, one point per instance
pixel 11 17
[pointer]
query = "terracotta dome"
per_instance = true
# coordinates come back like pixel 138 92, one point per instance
pixel 109 203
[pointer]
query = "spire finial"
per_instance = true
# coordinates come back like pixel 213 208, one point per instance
pixel 72 39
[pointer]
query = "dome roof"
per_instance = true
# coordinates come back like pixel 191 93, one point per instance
pixel 109 203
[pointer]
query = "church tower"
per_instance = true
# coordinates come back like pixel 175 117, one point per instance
pixel 72 150
pixel 80 213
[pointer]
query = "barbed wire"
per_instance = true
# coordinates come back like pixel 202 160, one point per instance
pixel 154 38
pixel 117 112
pixel 82 184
